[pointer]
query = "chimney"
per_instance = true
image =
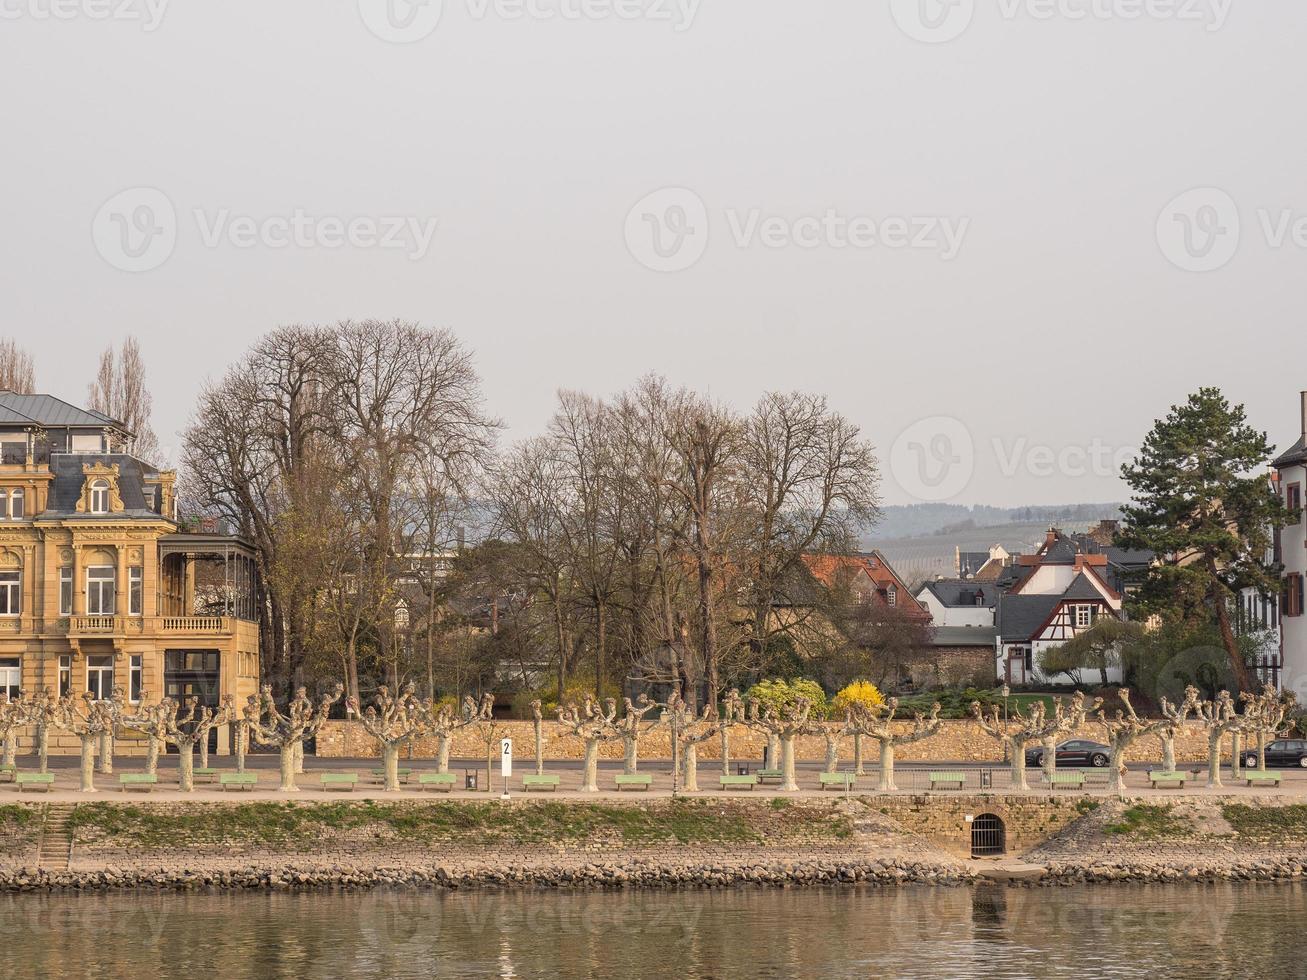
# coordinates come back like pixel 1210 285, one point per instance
pixel 1050 537
pixel 1304 416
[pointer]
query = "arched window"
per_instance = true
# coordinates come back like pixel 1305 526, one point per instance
pixel 100 497
pixel 4 504
pixel 16 504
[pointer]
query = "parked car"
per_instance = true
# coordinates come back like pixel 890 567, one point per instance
pixel 1281 752
pixel 1077 752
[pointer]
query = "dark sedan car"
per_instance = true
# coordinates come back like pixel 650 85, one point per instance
pixel 1077 752
pixel 1281 752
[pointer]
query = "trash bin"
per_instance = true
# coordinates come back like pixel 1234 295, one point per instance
pixel 470 778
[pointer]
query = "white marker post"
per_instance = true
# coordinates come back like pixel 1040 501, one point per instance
pixel 505 763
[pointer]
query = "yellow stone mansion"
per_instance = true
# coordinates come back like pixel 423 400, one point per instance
pixel 99 588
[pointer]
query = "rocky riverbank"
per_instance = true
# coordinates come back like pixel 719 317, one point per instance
pixel 709 843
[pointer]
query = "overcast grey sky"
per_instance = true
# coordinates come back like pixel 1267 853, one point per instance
pixel 969 214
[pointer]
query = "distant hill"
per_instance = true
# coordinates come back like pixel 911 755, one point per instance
pixel 921 541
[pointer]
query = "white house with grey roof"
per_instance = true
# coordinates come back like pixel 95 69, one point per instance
pixel 1291 549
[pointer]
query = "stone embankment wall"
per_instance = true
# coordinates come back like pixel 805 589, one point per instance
pixel 957 741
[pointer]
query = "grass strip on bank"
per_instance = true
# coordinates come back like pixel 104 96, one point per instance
pixel 1273 823
pixel 1151 821
pixel 679 822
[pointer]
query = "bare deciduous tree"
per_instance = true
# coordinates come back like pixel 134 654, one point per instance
pixel 120 392
pixel 17 370
pixel 877 722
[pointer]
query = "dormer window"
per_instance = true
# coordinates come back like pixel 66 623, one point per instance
pixel 892 596
pixel 100 497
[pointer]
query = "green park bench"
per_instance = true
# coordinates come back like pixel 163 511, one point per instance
pixel 770 775
pixel 443 781
pixel 1261 776
pixel 947 780
pixel 339 780
pixel 238 780
pixel 540 781
pixel 837 780
pixel 1157 778
pixel 738 782
pixel 144 781
pixel 633 780
pixel 1066 780
pixel 35 780
pixel 205 774
pixel 9 770
pixel 379 775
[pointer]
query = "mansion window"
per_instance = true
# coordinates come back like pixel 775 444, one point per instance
pixel 100 497
pixel 65 591
pixel 11 593
pixel 65 676
pixel 99 590
pixel 99 677
pixel 11 676
pixel 137 677
pixel 134 590
pixel 13 504
pixel 1291 598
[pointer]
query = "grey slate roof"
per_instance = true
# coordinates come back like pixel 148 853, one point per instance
pixel 964 636
pixel 46 410
pixel 953 592
pixel 68 480
pixel 970 562
pixel 1295 455
pixel 1082 588
pixel 1019 616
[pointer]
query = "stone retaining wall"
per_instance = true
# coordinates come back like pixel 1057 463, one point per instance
pixel 957 741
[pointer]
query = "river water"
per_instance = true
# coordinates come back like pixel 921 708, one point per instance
pixel 1193 931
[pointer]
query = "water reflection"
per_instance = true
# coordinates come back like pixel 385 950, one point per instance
pixel 989 931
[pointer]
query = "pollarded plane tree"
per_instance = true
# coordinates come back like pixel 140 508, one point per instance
pixel 88 719
pixel 1020 729
pixel 1067 717
pixel 688 730
pixel 593 725
pixel 1122 729
pixel 185 726
pixel 783 724
pixel 732 714
pixel 629 723
pixel 538 730
pixel 116 705
pixel 1218 716
pixel 832 731
pixel 449 718
pixel 13 716
pixel 1174 719
pixel 149 720
pixel 1264 717
pixel 41 712
pixel 877 722
pixel 287 731
pixel 394 722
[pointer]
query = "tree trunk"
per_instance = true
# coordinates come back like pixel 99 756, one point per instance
pixel 630 757
pixel 773 752
pixel 725 736
pixel 590 773
pixel 43 744
pixel 242 739
pixel 186 765
pixel 1217 597
pixel 1018 750
pixel 288 769
pixel 490 765
pixel 1115 783
pixel 11 748
pixel 788 783
pixel 886 782
pixel 152 754
pixel 601 641
pixel 1214 757
pixel 1050 758
pixel 88 762
pixel 857 755
pixel 690 768
pixel 106 753
pixel 299 756
pixel 442 752
pixel 540 747
pixel 390 762
pixel 1168 750
pixel 1236 753
pixel 832 752
pixel 204 750
pixel 1261 750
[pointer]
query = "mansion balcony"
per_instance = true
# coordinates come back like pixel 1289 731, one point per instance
pixel 125 626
